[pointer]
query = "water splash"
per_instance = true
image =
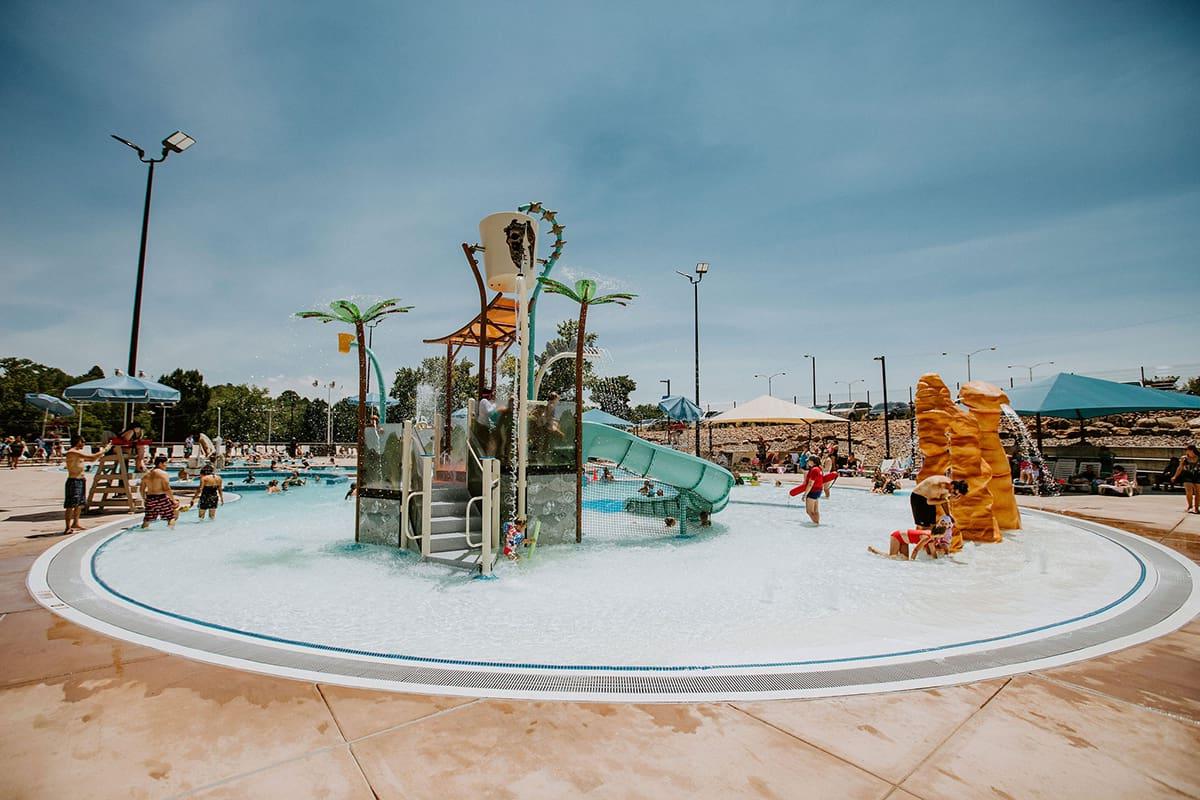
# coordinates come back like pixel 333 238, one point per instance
pixel 1027 449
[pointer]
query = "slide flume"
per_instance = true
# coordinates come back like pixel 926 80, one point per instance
pixel 703 479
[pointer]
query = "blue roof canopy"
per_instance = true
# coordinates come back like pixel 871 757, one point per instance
pixel 1080 397
pixel 122 389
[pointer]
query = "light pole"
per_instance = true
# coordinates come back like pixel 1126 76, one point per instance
pixel 814 377
pixel 701 271
pixel 667 381
pixel 975 353
pixel 770 378
pixel 177 142
pixel 887 436
pixel 328 411
pixel 1030 367
pixel 218 422
pixel 849 411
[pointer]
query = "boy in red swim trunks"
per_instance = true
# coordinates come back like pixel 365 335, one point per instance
pixel 157 495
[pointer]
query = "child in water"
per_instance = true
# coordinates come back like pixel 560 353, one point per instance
pixel 514 537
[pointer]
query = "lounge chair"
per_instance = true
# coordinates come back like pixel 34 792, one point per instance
pixel 177 452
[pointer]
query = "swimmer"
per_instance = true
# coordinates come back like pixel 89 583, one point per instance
pixel 811 489
pixel 705 519
pixel 670 522
pixel 273 487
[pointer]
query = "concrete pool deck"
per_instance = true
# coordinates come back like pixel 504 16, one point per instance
pixel 88 716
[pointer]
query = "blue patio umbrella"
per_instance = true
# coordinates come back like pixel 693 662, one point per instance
pixel 50 404
pixel 1070 396
pixel 122 389
pixel 604 418
pixel 680 409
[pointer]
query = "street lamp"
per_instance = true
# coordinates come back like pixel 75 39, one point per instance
pixel 887 435
pixel 974 353
pixel 770 378
pixel 814 377
pixel 667 381
pixel 177 142
pixel 1030 367
pixel 701 271
pixel 328 412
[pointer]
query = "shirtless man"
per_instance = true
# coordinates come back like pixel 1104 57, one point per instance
pixel 157 496
pixel 931 493
pixel 75 493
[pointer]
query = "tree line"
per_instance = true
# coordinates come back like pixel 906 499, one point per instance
pixel 248 411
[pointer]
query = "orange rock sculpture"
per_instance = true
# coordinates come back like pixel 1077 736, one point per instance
pixel 972 512
pixel 984 401
pixel 934 410
pixel 950 438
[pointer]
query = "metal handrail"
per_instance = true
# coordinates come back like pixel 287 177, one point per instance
pixel 482 529
pixel 417 536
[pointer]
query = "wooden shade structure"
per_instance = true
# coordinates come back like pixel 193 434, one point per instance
pixel 495 329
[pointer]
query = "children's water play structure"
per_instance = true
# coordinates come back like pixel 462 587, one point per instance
pixel 446 490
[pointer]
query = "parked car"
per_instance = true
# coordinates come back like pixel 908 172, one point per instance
pixel 851 410
pixel 896 410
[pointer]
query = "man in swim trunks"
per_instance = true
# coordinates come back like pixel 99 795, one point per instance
pixel 157 496
pixel 930 494
pixel 75 494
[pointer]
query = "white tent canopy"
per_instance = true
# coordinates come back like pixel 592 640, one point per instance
pixel 772 409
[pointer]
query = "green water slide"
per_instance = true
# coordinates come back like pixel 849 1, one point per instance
pixel 704 482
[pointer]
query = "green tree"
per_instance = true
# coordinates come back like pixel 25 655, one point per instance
pixel 349 313
pixel 313 424
pixel 645 411
pixel 433 372
pixel 611 394
pixel 1192 385
pixel 560 377
pixel 585 295
pixel 187 415
pixel 20 375
pixel 289 416
pixel 404 391
pixel 243 415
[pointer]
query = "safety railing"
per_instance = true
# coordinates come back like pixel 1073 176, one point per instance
pixel 413 448
pixel 489 470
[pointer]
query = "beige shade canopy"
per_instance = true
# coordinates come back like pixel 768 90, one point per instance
pixel 772 409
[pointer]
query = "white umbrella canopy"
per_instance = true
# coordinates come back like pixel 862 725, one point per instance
pixel 772 409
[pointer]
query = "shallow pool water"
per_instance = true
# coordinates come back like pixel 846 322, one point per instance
pixel 760 586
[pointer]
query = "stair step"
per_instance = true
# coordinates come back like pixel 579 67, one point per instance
pixel 450 540
pixel 455 523
pixel 449 508
pixel 450 494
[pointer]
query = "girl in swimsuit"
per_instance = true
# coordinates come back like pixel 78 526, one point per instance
pixel 1188 474
pixel 209 494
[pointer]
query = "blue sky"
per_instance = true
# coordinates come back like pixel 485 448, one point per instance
pixel 864 178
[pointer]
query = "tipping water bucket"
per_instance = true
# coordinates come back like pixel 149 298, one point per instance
pixel 509 240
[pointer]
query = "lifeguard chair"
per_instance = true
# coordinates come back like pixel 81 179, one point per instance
pixel 112 484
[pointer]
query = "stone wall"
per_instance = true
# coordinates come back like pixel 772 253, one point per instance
pixel 550 497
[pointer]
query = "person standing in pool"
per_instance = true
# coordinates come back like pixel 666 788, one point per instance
pixel 814 479
pixel 931 494
pixel 157 496
pixel 75 491
pixel 210 493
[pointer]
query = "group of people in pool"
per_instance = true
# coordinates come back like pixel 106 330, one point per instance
pixel 933 524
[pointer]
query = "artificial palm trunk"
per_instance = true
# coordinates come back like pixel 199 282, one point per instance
pixel 362 420
pixel 583 307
